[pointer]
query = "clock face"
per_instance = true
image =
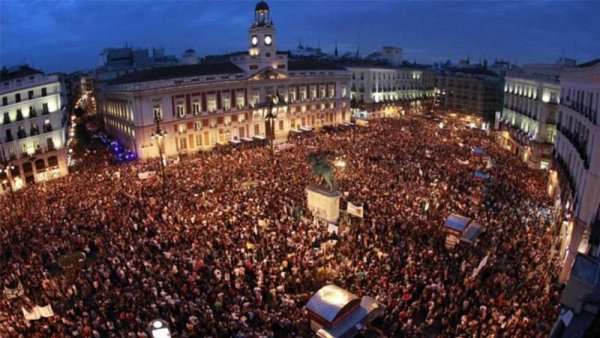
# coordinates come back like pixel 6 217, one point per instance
pixel 268 40
pixel 254 40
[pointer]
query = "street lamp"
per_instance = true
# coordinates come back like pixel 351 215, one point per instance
pixel 159 329
pixel 7 169
pixel 158 135
pixel 272 101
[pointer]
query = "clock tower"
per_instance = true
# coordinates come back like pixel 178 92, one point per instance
pixel 262 45
pixel 262 36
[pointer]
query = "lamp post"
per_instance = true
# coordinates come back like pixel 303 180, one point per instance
pixel 159 329
pixel 158 135
pixel 7 168
pixel 272 101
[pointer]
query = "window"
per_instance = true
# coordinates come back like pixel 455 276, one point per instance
pixel 241 118
pixel 331 92
pixel 292 95
pixel 19 115
pixel 45 108
pixel 313 92
pixel 212 103
pixel 227 120
pixel 196 107
pixel 239 100
pixel 303 94
pixel 17 97
pixel 44 91
pixel 4 100
pixel 6 118
pixel 21 132
pixel 182 128
pixel 50 144
pixel 9 136
pixel 47 126
pixel 30 94
pixel 157 110
pixel 32 112
pixel 280 125
pixel 226 103
pixel 179 109
pixel 33 129
pixel 255 97
pixel 197 125
pixel 198 140
pixel 182 143
pixel 256 129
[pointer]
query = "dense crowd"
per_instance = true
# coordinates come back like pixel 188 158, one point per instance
pixel 229 249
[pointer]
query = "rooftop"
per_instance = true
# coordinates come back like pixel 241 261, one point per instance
pixel 178 71
pixel 18 72
pixel 589 63
pixel 312 64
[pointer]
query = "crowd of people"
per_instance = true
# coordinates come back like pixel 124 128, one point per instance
pixel 228 248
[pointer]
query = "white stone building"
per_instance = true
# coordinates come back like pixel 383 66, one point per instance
pixel 225 99
pixel 529 117
pixel 576 181
pixel 386 90
pixel 33 131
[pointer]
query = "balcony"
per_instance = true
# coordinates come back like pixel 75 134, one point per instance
pixel 582 109
pixel 516 133
pixel 563 170
pixel 578 144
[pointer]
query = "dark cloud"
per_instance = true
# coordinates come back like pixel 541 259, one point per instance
pixel 69 35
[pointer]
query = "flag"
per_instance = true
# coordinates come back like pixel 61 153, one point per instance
pixel 250 246
pixel 481 265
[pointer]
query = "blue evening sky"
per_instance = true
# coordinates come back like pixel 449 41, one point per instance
pixel 69 35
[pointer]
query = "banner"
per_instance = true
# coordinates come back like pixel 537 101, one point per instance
pixel 146 175
pixel 355 210
pixel 38 312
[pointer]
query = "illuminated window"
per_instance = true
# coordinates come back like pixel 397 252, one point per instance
pixel 197 125
pixel 212 103
pixel 179 109
pixel 313 92
pixel 239 100
pixel 196 107
pixel 157 110
pixel 226 103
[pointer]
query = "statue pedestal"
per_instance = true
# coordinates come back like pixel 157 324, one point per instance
pixel 323 204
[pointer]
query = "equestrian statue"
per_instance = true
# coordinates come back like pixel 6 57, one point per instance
pixel 323 170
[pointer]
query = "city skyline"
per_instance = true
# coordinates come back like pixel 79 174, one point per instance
pixel 530 32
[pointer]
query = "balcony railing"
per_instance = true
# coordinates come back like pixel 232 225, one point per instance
pixel 578 144
pixel 582 109
pixel 563 170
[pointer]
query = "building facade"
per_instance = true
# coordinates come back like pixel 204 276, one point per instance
pixel 470 91
pixel 575 183
pixel 529 117
pixel 226 100
pixel 387 91
pixel 33 135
